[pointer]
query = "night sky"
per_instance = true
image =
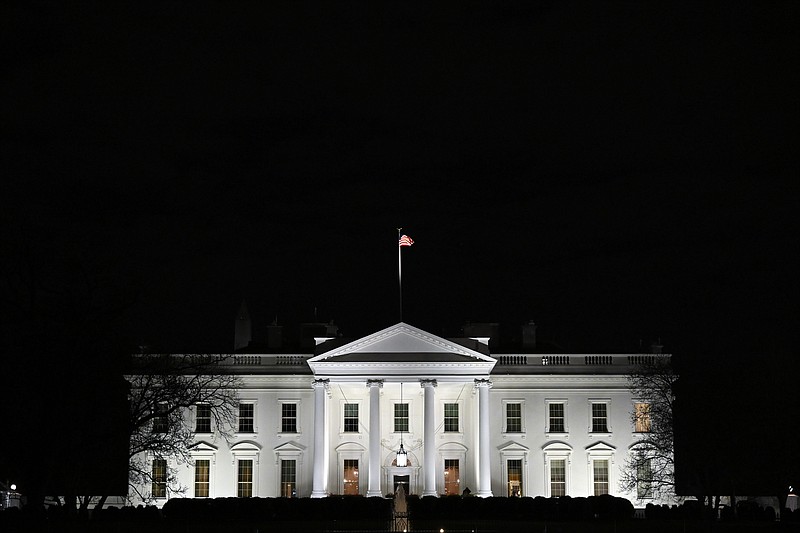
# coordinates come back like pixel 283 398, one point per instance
pixel 617 172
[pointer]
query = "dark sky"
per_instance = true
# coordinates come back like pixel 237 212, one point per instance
pixel 616 172
pixel 613 171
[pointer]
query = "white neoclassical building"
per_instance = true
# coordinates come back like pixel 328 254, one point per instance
pixel 333 421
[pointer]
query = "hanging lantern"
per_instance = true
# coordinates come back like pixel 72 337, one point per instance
pixel 402 454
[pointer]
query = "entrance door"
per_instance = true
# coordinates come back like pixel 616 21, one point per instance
pixel 351 477
pixel 402 480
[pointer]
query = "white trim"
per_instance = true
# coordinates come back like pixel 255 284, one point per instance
pixel 245 450
pixel 254 403
pixel 358 401
pixel 460 403
pixel 557 450
pixel 600 451
pixel 298 425
pixel 556 434
pixel 609 430
pixel 289 451
pixel 514 451
pixel 510 434
pixel 451 450
pixel 350 451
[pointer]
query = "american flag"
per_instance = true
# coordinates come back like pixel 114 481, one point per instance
pixel 405 240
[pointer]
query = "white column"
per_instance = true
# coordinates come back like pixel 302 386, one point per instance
pixel 429 439
pixel 318 487
pixel 374 487
pixel 484 468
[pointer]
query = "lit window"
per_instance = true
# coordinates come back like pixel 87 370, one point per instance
pixel 644 478
pixel 203 419
pixel 244 480
pixel 288 478
pixel 202 468
pixel 246 418
pixel 514 477
pixel 351 418
pixel 556 420
pixel 350 478
pixel 160 419
pixel 558 477
pixel 401 417
pixel 642 418
pixel 289 418
pixel 514 418
pixel 599 418
pixel 451 417
pixel 452 478
pixel 600 471
pixel 159 488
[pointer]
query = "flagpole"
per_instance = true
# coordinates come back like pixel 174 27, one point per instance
pixel 400 272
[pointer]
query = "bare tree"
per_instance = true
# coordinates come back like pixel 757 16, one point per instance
pixel 163 390
pixel 649 470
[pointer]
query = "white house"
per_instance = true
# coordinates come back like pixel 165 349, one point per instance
pixel 333 421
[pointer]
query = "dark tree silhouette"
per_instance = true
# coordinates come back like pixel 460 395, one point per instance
pixel 649 470
pixel 164 389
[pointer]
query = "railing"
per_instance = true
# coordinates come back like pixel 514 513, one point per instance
pixel 291 360
pixel 507 360
pixel 574 360
pixel 596 360
pixel 266 360
pixel 641 359
pixel 248 360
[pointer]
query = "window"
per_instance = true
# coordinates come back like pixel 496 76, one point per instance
pixel 159 489
pixel 600 473
pixel 203 418
pixel 160 418
pixel 244 479
pixel 288 478
pixel 202 469
pixel 451 417
pixel 401 417
pixel 642 417
pixel 644 476
pixel 513 418
pixel 452 478
pixel 556 418
pixel 599 418
pixel 515 477
pixel 350 477
pixel 246 418
pixel 558 477
pixel 288 418
pixel 351 418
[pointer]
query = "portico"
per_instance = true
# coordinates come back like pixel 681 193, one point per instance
pixel 446 388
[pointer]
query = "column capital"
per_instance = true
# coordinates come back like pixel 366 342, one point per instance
pixel 375 383
pixel 483 383
pixel 320 383
pixel 428 383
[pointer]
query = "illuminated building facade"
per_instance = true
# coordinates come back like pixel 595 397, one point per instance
pixel 333 421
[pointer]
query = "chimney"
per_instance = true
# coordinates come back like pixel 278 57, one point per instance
pixel 529 336
pixel 332 330
pixel 656 347
pixel 274 335
pixel 243 332
pixel 483 330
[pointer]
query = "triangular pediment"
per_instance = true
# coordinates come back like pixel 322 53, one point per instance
pixel 290 446
pixel 402 340
pixel 600 446
pixel 512 446
pixel 401 352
